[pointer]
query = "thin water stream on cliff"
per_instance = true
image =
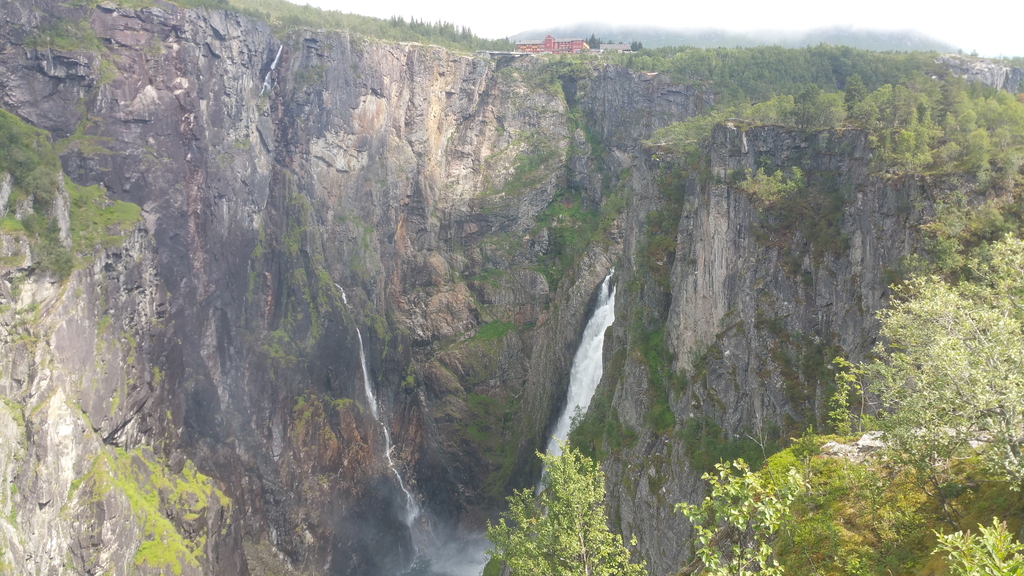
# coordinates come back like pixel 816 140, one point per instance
pixel 587 364
pixel 459 556
pixel 412 510
pixel 453 556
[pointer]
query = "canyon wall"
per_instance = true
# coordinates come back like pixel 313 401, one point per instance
pixel 202 375
pixel 414 183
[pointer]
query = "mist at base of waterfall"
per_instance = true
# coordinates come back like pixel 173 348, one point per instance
pixel 461 556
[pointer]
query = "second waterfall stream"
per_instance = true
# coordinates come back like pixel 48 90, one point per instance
pixel 412 510
pixel 587 364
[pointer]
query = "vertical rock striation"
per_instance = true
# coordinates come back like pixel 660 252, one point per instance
pixel 203 377
pixel 416 179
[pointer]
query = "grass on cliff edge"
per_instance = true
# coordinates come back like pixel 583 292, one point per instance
pixel 26 154
pixel 284 16
pixel 96 220
pixel 873 519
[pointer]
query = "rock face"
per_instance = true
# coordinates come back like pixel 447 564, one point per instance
pixel 755 311
pixel 987 72
pixel 733 290
pixel 204 378
pixel 81 385
pixel 401 190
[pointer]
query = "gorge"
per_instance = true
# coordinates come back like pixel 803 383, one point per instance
pixel 193 392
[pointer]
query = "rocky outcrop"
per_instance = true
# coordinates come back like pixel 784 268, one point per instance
pixel 758 303
pixel 80 383
pixel 731 280
pixel 993 74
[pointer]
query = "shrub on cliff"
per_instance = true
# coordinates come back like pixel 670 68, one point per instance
pixel 992 551
pixel 563 530
pixel 736 524
pixel 951 372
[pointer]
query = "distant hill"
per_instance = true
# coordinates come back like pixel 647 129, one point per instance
pixel 653 37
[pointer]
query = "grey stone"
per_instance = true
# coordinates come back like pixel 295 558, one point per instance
pixel 6 184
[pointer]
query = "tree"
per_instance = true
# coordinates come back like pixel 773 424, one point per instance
pixel 778 110
pixel 951 372
pixel 774 188
pixel 855 91
pixel 839 415
pixel 815 109
pixel 563 530
pixel 737 522
pixel 993 552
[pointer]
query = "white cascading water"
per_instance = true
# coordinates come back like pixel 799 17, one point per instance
pixel 266 81
pixel 412 510
pixel 458 556
pixel 344 297
pixel 588 364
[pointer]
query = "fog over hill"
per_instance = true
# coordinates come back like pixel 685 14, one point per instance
pixel 654 37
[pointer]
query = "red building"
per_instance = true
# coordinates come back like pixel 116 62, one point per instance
pixel 553 45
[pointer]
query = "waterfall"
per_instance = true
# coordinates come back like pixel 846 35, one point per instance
pixel 437 552
pixel 266 81
pixel 412 510
pixel 587 364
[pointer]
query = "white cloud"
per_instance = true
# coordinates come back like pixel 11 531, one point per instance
pixel 992 28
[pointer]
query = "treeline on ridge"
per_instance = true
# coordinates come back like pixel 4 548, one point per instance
pixel 284 16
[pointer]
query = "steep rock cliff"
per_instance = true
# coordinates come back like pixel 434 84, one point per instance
pixel 304 192
pixel 757 304
pixel 82 397
pixel 429 190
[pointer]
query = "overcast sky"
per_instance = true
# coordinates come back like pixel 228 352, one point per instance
pixel 992 27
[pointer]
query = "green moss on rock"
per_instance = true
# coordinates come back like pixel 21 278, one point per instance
pixel 155 495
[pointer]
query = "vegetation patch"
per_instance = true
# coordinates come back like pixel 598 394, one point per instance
pixel 564 529
pixel 279 351
pixel 658 252
pixel 476 359
pixel 646 325
pixel 757 74
pixel 151 490
pixel 17 412
pixel 803 364
pixel 285 17
pixel 874 519
pixel 96 220
pixel 297 306
pixel 88 144
pixel 489 423
pixel 310 76
pixel 706 444
pixel 310 427
pixel 65 35
pixel 493 330
pixel 493 277
pixel 26 154
pixel 921 122
pixel 571 229
pixel 791 204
